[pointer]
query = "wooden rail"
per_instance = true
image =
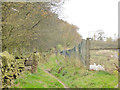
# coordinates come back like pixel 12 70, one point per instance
pixel 104 49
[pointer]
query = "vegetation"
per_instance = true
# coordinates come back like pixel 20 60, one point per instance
pixel 99 40
pixel 75 75
pixel 70 71
pixel 33 25
pixel 29 26
pixel 104 44
pixel 11 69
pixel 37 80
pixel 106 58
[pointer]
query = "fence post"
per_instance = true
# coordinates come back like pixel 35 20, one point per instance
pixel 88 52
pixel 34 62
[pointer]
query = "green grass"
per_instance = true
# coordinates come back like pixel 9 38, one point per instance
pixel 73 75
pixel 38 80
pixel 79 77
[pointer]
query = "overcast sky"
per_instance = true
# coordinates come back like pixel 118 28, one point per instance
pixel 92 15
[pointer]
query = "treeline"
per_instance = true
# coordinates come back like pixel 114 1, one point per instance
pixel 26 26
pixel 104 44
pixel 100 40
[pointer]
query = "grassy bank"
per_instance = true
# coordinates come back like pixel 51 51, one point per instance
pixel 74 75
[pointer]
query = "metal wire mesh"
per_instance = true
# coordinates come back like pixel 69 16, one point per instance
pixel 78 52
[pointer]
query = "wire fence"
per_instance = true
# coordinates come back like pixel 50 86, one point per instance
pixel 78 52
pixel 90 52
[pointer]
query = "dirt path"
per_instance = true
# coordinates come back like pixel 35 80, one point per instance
pixel 67 88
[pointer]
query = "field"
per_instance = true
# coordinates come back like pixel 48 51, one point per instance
pixel 106 58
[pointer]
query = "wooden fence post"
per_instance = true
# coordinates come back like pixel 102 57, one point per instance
pixel 88 52
pixel 34 62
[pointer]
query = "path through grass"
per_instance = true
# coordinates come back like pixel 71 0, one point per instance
pixel 38 80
